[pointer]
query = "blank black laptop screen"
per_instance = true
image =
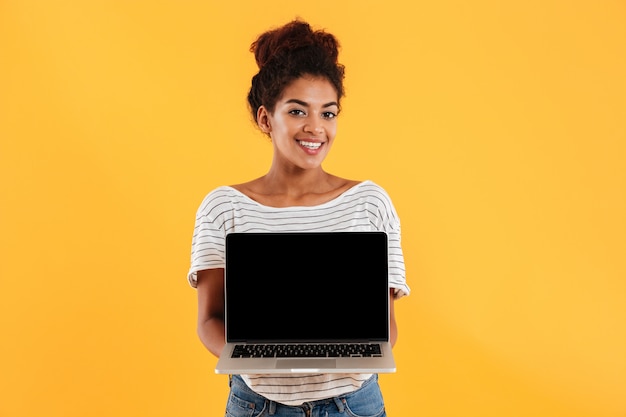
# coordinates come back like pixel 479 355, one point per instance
pixel 318 286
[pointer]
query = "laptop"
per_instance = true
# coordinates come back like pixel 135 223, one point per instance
pixel 306 303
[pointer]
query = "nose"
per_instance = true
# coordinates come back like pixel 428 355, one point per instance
pixel 313 125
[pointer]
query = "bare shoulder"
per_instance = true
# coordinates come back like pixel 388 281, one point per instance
pixel 342 184
pixel 332 188
pixel 252 189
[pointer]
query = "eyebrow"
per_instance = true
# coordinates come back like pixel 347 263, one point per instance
pixel 305 104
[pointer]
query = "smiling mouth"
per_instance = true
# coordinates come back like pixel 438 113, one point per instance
pixel 310 145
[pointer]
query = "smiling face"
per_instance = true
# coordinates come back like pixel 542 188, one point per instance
pixel 303 124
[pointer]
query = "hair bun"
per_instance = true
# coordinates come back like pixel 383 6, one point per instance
pixel 287 53
pixel 277 44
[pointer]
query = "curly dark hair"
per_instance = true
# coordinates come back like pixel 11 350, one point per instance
pixel 287 53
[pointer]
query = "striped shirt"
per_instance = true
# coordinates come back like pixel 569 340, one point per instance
pixel 364 207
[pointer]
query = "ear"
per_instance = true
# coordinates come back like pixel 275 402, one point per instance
pixel 263 120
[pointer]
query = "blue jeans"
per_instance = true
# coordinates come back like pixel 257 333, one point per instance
pixel 367 401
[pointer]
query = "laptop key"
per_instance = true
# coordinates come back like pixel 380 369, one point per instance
pixel 338 350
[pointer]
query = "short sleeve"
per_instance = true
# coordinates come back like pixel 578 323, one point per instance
pixel 387 220
pixel 207 246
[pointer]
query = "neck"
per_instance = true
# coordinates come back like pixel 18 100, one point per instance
pixel 296 182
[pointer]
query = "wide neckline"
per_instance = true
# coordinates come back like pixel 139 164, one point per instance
pixel 329 202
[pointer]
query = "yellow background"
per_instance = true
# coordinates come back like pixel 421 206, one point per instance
pixel 497 127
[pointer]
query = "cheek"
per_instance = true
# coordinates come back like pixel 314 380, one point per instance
pixel 331 131
pixel 285 127
pixel 282 133
pixel 277 129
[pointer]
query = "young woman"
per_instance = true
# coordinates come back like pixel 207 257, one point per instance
pixel 295 100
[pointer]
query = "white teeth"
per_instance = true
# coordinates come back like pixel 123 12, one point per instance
pixel 310 145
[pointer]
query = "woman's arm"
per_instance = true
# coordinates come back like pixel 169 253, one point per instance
pixel 211 328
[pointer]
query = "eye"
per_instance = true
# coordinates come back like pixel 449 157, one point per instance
pixel 297 112
pixel 329 115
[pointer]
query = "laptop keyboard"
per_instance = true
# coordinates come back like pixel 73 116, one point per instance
pixel 289 350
